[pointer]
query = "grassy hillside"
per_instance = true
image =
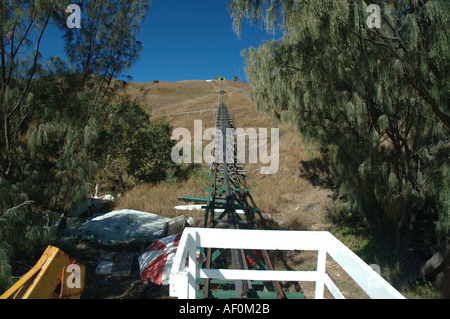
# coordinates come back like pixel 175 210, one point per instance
pixel 287 198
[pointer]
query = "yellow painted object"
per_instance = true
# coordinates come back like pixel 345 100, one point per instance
pixel 54 276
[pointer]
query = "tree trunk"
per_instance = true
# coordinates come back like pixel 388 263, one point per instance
pixel 428 267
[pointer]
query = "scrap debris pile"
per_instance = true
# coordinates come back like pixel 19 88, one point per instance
pixel 125 246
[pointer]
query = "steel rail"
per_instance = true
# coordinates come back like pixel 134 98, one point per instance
pixel 228 167
pixel 237 256
pixel 211 225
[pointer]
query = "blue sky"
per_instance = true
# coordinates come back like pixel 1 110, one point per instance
pixel 184 40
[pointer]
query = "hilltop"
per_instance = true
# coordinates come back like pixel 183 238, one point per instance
pixel 166 98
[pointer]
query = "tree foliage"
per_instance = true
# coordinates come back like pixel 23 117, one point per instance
pixel 136 145
pixel 150 154
pixel 106 44
pixel 53 113
pixel 377 101
pixel 64 125
pixel 22 232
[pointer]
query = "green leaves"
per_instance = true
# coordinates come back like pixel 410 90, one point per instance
pixel 149 156
pixel 62 125
pixel 106 45
pixel 376 98
pixel 53 142
pixel 22 231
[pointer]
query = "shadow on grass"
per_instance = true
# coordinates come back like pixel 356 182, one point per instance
pixel 185 172
pixel 317 173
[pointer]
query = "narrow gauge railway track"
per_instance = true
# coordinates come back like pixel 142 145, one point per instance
pixel 226 196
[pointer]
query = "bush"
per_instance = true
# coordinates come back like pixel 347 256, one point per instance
pixel 149 156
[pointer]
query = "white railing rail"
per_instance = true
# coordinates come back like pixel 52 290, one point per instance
pixel 184 273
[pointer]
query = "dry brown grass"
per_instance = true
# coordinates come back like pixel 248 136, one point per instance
pixel 161 198
pixel 287 198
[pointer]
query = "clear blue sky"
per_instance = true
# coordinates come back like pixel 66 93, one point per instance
pixel 184 40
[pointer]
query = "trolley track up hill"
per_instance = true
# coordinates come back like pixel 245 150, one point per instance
pixel 230 205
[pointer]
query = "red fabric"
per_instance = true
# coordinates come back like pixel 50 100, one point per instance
pixel 157 245
pixel 257 253
pixel 154 271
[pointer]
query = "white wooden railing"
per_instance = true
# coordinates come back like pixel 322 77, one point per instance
pixel 183 275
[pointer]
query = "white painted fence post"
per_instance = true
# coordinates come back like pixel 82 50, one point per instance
pixel 321 265
pixel 192 265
